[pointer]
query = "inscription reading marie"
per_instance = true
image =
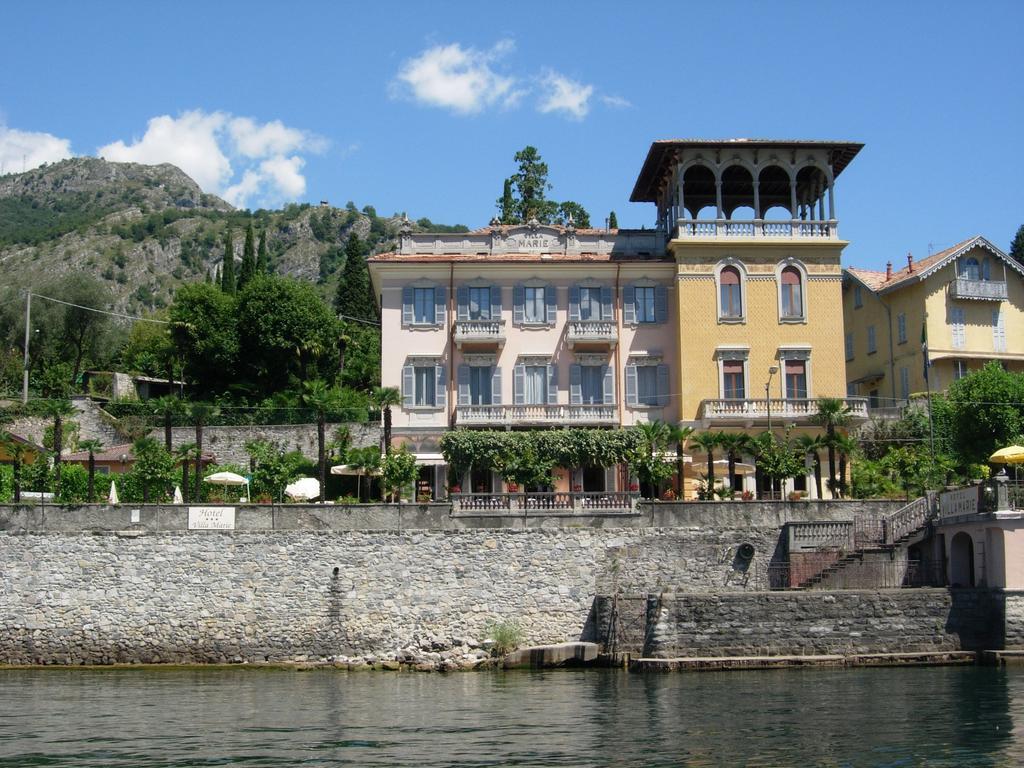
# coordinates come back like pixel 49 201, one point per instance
pixel 533 242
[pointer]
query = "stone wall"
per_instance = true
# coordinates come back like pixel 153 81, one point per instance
pixel 844 622
pixel 228 443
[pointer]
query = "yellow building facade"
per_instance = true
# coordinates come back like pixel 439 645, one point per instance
pixel 967 302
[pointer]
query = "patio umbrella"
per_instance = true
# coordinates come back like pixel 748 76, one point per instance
pixel 228 478
pixel 303 489
pixel 177 495
pixel 1011 454
pixel 348 469
pixel 112 498
pixel 741 467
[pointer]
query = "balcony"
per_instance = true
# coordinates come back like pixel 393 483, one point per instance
pixel 986 290
pixel 536 415
pixel 724 229
pixel 591 334
pixel 747 412
pixel 544 504
pixel 480 334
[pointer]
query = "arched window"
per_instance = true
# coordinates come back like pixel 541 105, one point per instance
pixel 970 269
pixel 730 293
pixel 792 293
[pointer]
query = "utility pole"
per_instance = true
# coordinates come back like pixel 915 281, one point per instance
pixel 28 335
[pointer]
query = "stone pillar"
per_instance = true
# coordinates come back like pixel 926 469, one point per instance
pixel 757 200
pixel 718 198
pixel 1002 492
pixel 679 195
pixel 831 200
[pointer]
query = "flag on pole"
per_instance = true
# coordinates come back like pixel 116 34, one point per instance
pixel 924 348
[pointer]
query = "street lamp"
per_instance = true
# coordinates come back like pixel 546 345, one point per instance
pixel 767 395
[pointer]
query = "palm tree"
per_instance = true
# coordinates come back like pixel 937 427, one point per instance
pixel 363 460
pixel 812 445
pixel 679 436
pixel 734 444
pixel 57 409
pixel 384 398
pixel 185 453
pixel 655 437
pixel 846 446
pixel 166 407
pixel 832 414
pixel 91 446
pixel 321 398
pixel 140 448
pixel 17 450
pixel 200 414
pixel 708 441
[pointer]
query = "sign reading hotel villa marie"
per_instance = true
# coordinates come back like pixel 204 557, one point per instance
pixel 211 518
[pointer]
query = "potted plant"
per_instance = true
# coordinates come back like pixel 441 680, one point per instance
pixel 577 488
pixel 747 495
pixel 634 487
pixel 669 495
pixel 455 489
pixel 513 487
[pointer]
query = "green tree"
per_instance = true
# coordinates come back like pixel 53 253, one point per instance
pixel 647 461
pixel 82 329
pixel 531 185
pixel 679 436
pixel 734 444
pixel 274 468
pixel 200 414
pixel 366 461
pixel 322 398
pixel 248 271
pixel 227 273
pixel 150 349
pixel 573 211
pixel 811 445
pixel 986 411
pixel 613 221
pixel 205 335
pixel 354 298
pixel 186 453
pixel 153 466
pixel 286 334
pixel 398 472
pixel 1017 246
pixel 91 446
pixel 832 414
pixel 166 408
pixel 506 204
pixel 776 459
pixel 263 255
pixel 384 398
pixel 18 451
pixel 707 442
pixel 57 409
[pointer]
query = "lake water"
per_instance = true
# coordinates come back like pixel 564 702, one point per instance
pixel 951 716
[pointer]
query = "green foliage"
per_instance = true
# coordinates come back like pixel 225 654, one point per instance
pixel 507 204
pixel 69 435
pixel 398 471
pixel 6 483
pixel 355 296
pixel 776 457
pixel 228 284
pixel 205 335
pixel 506 635
pixel 74 484
pixel 524 195
pixel 263 255
pixel 570 210
pixel 248 271
pixel 150 349
pixel 427 225
pixel 1017 245
pixel 274 468
pixel 28 221
pixel 613 221
pixel 986 411
pixel 647 461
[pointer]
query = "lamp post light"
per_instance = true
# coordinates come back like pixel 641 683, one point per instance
pixel 767 394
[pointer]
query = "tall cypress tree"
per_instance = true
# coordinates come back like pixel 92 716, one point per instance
pixel 613 222
pixel 507 205
pixel 262 256
pixel 1017 246
pixel 355 295
pixel 227 272
pixel 248 259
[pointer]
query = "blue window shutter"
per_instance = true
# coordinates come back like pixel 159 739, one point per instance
pixel 440 299
pixel 495 302
pixel 574 302
pixel 552 384
pixel 463 384
pixel 631 385
pixel 575 384
pixel 441 386
pixel 629 305
pixel 551 300
pixel 663 393
pixel 519 384
pixel 407 300
pixel 660 304
pixel 518 299
pixel 609 385
pixel 408 386
pixel 462 297
pixel 606 302
pixel 496 385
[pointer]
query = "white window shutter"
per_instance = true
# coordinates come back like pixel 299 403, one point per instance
pixel 519 384
pixel 609 385
pixel 631 385
pixel 518 299
pixel 408 386
pixel 574 303
pixel 495 302
pixel 575 384
pixel 551 300
pixel 440 299
pixel 441 386
pixel 496 385
pixel 606 302
pixel 407 301
pixel 462 299
pixel 552 384
pixel 629 305
pixel 462 375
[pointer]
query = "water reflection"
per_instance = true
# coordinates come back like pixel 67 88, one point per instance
pixel 951 716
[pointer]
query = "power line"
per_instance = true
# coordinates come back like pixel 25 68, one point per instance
pixel 100 311
pixel 359 320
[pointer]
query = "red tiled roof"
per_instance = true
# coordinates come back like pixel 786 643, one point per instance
pixel 877 281
pixel 114 453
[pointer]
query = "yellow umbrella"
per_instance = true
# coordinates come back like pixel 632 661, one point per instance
pixel 1011 454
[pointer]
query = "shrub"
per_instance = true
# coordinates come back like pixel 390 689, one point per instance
pixel 507 636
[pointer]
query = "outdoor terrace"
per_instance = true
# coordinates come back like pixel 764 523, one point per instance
pixel 531 415
pixel 800 411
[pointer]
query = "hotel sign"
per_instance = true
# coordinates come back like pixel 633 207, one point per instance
pixel 211 518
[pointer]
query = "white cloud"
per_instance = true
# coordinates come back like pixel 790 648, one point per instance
pixel 215 147
pixel 616 102
pixel 560 94
pixel 457 78
pixel 22 150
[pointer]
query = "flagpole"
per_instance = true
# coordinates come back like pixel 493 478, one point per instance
pixel 928 391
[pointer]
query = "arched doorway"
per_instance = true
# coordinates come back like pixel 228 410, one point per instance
pixel 961 560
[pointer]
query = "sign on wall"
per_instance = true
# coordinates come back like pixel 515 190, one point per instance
pixel 211 518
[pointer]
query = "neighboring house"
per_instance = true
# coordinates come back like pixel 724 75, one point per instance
pixel 114 459
pixel 524 327
pixel 753 230
pixel 31 450
pixel 532 326
pixel 970 300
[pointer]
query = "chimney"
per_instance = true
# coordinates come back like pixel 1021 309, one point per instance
pixel 888 271
pixel 910 262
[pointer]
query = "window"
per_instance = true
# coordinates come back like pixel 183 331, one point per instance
pixel 901 328
pixel 730 294
pixel 873 400
pixel 644 302
pixel 959 369
pixel 792 294
pixel 535 384
pixel 849 346
pixel 970 269
pixel 904 383
pixel 796 379
pixel 590 303
pixel 592 384
pixel 646 384
pixel 858 298
pixel 480 303
pixel 480 384
pixel 534 305
pixel 733 385
pixel 423 306
pixel 423 384
pixel 872 343
pixel 998 331
pixel 958 320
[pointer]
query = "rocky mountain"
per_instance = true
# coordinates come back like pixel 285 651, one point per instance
pixel 143 230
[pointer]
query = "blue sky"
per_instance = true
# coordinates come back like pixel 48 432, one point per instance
pixel 420 107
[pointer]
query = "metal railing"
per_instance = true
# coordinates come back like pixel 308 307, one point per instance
pixel 888 574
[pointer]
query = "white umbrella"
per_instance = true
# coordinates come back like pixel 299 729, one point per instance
pixel 741 468
pixel 348 469
pixel 228 478
pixel 177 495
pixel 303 489
pixel 112 498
